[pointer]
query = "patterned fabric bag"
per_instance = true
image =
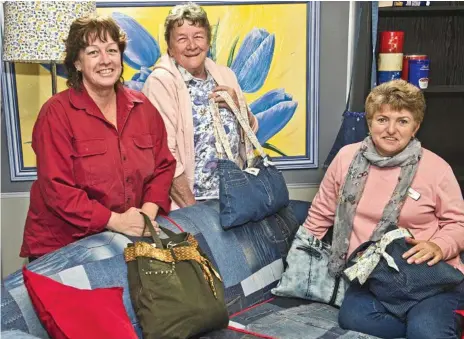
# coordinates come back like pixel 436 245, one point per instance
pixel 175 290
pixel 307 274
pixel 254 193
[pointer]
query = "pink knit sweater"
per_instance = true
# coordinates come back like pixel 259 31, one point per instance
pixel 438 214
pixel 166 90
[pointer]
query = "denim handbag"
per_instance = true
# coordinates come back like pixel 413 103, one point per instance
pixel 251 194
pixel 307 275
pixel 400 286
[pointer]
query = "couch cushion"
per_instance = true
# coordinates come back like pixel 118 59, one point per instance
pixel 287 318
pixel 250 258
pixel 69 312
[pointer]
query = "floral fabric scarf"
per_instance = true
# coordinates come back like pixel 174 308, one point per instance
pixel 352 191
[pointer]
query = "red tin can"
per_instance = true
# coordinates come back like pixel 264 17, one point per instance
pixel 406 58
pixel 391 42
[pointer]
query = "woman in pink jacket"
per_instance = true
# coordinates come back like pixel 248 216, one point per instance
pixel 390 179
pixel 180 86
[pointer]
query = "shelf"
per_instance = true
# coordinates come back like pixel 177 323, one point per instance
pixel 421 10
pixel 445 89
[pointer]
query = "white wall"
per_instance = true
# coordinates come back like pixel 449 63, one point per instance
pixel 13 215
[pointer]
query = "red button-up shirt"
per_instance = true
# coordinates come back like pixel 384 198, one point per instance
pixel 87 168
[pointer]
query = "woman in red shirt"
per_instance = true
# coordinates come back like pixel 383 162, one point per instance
pixel 101 148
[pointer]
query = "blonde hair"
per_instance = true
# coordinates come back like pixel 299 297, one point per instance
pixel 191 12
pixel 398 95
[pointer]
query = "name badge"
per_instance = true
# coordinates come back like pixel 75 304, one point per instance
pixel 252 170
pixel 413 194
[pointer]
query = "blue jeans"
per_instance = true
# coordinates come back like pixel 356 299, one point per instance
pixel 432 318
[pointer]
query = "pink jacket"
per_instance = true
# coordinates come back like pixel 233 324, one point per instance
pixel 166 89
pixel 438 214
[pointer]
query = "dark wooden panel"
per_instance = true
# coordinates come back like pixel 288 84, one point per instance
pixel 440 37
pixel 421 11
pixel 442 131
pixel 447 3
pixel 435 89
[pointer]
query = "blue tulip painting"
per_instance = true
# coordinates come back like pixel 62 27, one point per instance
pixel 273 111
pixel 253 60
pixel 272 49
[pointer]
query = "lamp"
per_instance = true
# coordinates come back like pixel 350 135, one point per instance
pixel 35 30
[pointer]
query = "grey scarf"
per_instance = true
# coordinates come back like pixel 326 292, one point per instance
pixel 353 188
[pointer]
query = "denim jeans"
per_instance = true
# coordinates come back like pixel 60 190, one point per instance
pixel 432 318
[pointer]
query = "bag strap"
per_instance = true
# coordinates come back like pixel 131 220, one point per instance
pixel 167 231
pixel 222 142
pixel 240 116
pixel 154 235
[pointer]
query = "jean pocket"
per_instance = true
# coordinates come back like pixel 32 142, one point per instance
pixel 235 180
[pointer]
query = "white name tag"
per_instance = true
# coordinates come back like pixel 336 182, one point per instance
pixel 252 170
pixel 413 194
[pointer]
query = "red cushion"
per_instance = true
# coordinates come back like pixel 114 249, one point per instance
pixel 71 313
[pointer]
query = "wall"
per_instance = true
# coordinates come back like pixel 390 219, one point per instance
pixel 302 183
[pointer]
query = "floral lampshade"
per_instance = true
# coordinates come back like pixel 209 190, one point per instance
pixel 34 30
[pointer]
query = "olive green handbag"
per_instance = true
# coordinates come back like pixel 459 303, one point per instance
pixel 175 290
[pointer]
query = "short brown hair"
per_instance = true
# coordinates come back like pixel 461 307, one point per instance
pixel 81 32
pixel 191 12
pixel 398 95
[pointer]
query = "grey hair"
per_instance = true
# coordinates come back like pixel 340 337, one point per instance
pixel 191 12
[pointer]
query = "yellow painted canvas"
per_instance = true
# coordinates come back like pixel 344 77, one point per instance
pixel 272 48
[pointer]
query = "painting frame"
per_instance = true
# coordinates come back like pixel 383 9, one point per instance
pixel 20 172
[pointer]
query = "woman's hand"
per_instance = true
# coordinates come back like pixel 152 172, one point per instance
pixel 130 222
pixel 220 100
pixel 151 210
pixel 153 222
pixel 423 251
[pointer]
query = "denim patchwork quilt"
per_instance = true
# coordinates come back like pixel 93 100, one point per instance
pixel 250 259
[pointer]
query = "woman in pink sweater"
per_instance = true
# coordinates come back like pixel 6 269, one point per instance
pixel 390 179
pixel 179 87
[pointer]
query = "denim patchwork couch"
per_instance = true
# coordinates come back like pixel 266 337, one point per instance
pixel 250 259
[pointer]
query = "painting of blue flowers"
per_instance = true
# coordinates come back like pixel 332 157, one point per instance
pixel 273 49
